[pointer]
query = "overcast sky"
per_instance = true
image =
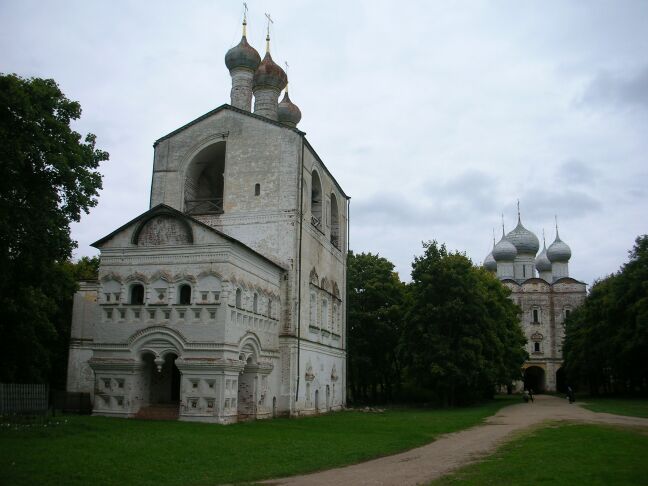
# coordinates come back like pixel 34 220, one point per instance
pixel 435 117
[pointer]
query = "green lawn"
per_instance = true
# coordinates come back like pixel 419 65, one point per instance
pixel 634 407
pixel 566 454
pixel 103 451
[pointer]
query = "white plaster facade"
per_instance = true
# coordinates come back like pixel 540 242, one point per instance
pixel 228 295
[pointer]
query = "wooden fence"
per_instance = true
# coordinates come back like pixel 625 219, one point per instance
pixel 24 399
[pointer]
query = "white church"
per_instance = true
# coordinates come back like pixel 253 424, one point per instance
pixel 226 300
pixel 541 286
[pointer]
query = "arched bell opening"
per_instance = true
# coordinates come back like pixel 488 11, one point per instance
pixel 205 181
pixel 316 201
pixel 534 379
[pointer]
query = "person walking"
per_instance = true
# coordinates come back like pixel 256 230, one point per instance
pixel 570 395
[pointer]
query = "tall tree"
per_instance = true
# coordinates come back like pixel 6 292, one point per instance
pixel 376 297
pixel 606 339
pixel 462 337
pixel 48 177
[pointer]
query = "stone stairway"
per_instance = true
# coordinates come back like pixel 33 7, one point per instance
pixel 160 411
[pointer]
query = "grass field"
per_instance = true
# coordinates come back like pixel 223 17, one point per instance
pixel 566 454
pixel 104 451
pixel 634 407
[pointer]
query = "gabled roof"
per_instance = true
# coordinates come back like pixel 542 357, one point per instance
pixel 261 118
pixel 219 109
pixel 164 209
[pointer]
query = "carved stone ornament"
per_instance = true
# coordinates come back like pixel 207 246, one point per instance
pixel 536 336
pixel 314 278
pixel 164 229
pixel 309 376
pixel 334 375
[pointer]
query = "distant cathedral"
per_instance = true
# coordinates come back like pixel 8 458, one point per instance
pixel 546 299
pixel 226 300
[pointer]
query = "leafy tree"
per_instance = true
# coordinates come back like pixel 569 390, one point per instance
pixel 376 296
pixel 48 177
pixel 606 339
pixel 462 337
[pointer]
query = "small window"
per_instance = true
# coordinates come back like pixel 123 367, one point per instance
pixel 238 298
pixel 567 311
pixel 137 294
pixel 536 347
pixel 269 307
pixel 255 304
pixel 523 270
pixel 185 295
pixel 257 189
pixel 535 315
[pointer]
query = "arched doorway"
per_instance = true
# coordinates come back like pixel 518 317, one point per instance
pixel 561 380
pixel 534 379
pixel 160 379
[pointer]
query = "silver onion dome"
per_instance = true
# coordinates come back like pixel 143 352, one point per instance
pixel 504 251
pixel 489 263
pixel 559 251
pixel 542 263
pixel 524 240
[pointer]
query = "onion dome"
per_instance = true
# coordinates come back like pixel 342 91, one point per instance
pixel 559 251
pixel 489 263
pixel 504 251
pixel 542 263
pixel 523 240
pixel 288 112
pixel 242 56
pixel 270 75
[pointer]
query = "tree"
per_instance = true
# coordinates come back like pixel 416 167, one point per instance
pixel 376 297
pixel 606 339
pixel 48 177
pixel 462 337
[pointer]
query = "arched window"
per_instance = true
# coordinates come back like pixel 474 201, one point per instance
pixel 204 181
pixel 316 201
pixel 536 347
pixel 137 294
pixel 184 296
pixel 335 222
pixel 313 309
pixel 255 303
pixel 238 298
pixel 536 315
pixel 257 189
pixel 325 314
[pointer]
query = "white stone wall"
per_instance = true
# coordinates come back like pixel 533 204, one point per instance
pixel 550 302
pixel 227 351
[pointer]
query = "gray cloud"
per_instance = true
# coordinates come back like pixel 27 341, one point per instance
pixel 618 89
pixel 434 123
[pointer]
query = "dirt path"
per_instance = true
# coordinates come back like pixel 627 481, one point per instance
pixel 452 451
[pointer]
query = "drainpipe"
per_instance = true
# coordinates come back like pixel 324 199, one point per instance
pixel 299 271
pixel 346 299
